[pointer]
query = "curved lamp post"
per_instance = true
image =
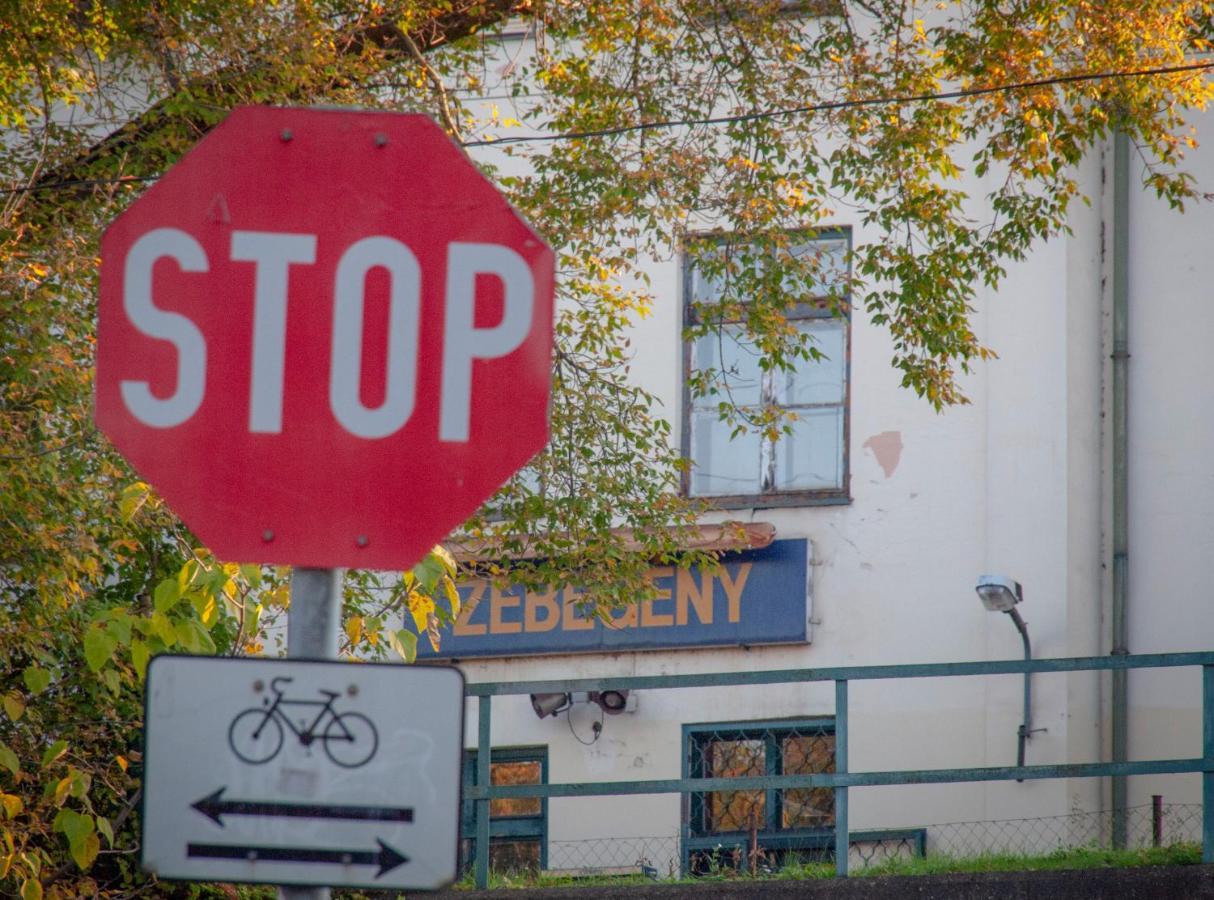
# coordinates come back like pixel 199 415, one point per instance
pixel 1001 594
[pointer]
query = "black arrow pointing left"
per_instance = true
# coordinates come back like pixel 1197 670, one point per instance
pixel 215 807
pixel 387 858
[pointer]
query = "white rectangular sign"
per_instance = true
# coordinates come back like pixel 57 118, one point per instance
pixel 302 772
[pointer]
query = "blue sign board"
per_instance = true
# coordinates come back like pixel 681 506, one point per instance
pixel 755 597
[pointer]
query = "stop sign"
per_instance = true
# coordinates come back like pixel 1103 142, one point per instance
pixel 324 337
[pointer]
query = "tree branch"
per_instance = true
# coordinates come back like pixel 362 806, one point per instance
pixel 165 118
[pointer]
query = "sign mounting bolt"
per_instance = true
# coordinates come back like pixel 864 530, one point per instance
pixel 381 139
pixel 267 535
pixel 361 540
pixel 286 135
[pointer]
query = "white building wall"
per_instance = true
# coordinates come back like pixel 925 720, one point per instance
pixel 1171 477
pixel 1017 482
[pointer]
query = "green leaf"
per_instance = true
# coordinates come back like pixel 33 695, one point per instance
pixel 99 646
pixel 53 752
pixel 163 629
pixel 133 497
pixel 404 642
pixel 185 636
pixel 14 706
pixel 8 759
pixel 112 680
pixel 120 626
pixel 73 824
pixel 429 571
pixel 31 890
pixel 166 595
pixel 85 850
pixel 205 643
pixel 106 830
pixel 139 657
pixel 36 679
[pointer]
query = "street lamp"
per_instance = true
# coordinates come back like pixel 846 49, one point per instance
pixel 1001 594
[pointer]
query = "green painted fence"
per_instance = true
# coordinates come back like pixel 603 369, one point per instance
pixel 842 779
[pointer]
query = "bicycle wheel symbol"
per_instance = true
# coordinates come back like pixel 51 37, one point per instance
pixel 255 736
pixel 350 740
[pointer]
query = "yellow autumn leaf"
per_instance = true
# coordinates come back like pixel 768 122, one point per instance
pixel 420 607
pixel 452 595
pixel 432 632
pixel 354 628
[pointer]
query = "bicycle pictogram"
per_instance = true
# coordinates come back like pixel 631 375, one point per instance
pixel 256 734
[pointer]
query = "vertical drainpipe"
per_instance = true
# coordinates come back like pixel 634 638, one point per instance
pixel 1121 542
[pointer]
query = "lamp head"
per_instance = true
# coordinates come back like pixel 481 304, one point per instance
pixel 611 702
pixel 999 593
pixel 550 704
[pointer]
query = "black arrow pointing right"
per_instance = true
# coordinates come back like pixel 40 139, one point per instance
pixel 215 807
pixel 385 857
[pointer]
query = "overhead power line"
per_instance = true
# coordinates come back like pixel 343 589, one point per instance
pixel 828 106
pixel 834 105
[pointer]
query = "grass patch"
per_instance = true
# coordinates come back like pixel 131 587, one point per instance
pixel 1081 858
pixel 933 864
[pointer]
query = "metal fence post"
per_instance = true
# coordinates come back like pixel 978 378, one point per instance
pixel 483 751
pixel 1207 753
pixel 842 844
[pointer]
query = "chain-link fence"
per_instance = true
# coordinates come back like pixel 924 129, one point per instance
pixel 1147 825
pixel 740 851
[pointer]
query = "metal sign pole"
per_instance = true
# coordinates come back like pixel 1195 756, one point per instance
pixel 313 628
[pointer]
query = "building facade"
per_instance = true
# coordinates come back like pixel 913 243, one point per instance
pixel 898 510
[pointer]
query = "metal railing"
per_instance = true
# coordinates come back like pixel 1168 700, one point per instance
pixel 482 792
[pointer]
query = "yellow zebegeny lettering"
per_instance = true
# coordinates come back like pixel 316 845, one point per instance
pixel 733 589
pixel 463 625
pixel 498 602
pixel 533 603
pixel 650 619
pixel 688 593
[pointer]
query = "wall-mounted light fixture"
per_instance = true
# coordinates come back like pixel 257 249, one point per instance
pixel 550 704
pixel 612 702
pixel 1001 594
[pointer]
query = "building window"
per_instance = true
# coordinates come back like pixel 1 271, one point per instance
pixel 727 828
pixel 518 827
pixel 741 467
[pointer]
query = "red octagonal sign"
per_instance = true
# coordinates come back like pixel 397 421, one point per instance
pixel 324 337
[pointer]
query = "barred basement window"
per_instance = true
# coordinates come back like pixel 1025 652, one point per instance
pixel 518 826
pixel 795 823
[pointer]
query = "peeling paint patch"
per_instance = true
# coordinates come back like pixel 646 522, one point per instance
pixel 887 448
